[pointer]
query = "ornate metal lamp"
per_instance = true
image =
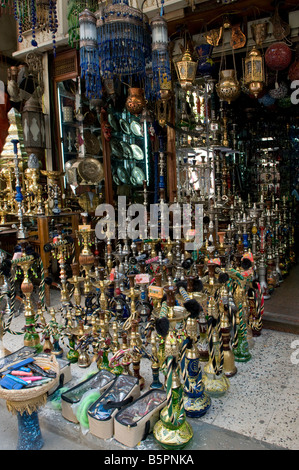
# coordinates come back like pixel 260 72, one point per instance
pixel 186 69
pixel 254 72
pixel 34 128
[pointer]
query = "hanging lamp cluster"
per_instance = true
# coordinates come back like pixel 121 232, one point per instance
pixel 117 41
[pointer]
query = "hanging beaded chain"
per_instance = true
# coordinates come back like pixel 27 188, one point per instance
pixel 25 13
pixel 53 22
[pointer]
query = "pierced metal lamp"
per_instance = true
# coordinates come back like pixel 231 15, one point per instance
pixel 186 69
pixel 254 71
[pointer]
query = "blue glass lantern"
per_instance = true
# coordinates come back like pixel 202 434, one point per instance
pixel 89 55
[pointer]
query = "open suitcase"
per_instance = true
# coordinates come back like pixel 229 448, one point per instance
pixel 99 382
pixel 101 414
pixel 135 421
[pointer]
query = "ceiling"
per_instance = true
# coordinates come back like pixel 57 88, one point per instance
pixel 209 14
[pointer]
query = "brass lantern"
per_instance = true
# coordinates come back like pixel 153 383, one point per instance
pixel 186 70
pixel 254 71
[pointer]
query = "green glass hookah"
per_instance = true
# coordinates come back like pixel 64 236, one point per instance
pixel 172 431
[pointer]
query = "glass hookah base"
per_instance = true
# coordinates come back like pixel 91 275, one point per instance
pixel 173 439
pixel 196 407
pixel 215 387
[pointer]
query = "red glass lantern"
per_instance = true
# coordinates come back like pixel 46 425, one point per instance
pixel 278 56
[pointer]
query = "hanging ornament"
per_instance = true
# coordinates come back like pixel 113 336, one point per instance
pixel 124 40
pixel 259 32
pixel 89 55
pixel 238 38
pixel 36 14
pixel 280 91
pixel 228 88
pixel 160 57
pixel 213 37
pixel 281 29
pixel 254 74
pixel 278 56
pixel 206 64
pixel 186 70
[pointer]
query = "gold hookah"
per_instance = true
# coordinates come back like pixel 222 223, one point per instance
pixel 136 342
pixel 6 175
pixel 76 281
pixel 101 284
pixel 86 258
pixel 61 250
pixel 215 381
pixel 33 191
pixel 229 367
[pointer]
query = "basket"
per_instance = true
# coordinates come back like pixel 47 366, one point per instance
pixel 23 395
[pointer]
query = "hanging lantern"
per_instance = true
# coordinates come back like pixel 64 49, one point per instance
pixel 34 128
pixel 186 70
pixel 228 88
pixel 254 74
pixel 160 58
pixel 124 40
pixel 89 55
pixel 278 56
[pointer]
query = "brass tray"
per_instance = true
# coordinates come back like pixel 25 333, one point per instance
pixel 91 170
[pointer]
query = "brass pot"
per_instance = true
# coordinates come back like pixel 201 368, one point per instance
pixel 228 88
pixel 135 101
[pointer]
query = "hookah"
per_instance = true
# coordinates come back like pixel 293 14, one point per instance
pixel 172 431
pixel 54 191
pixel 86 258
pixel 76 281
pixel 135 342
pixel 22 233
pixel 61 248
pixel 262 259
pixel 215 381
pixel 196 401
pixel 240 345
pixel 229 366
pixel 31 337
pixel 202 344
pixel 54 328
pixel 156 384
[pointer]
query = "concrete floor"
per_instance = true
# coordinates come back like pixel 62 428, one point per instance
pixel 260 411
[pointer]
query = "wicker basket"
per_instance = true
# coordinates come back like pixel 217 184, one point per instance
pixel 28 394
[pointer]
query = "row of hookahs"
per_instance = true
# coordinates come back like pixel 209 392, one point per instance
pixel 190 315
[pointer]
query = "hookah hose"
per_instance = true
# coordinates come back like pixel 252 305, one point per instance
pixel 42 283
pixel 232 315
pixel 211 325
